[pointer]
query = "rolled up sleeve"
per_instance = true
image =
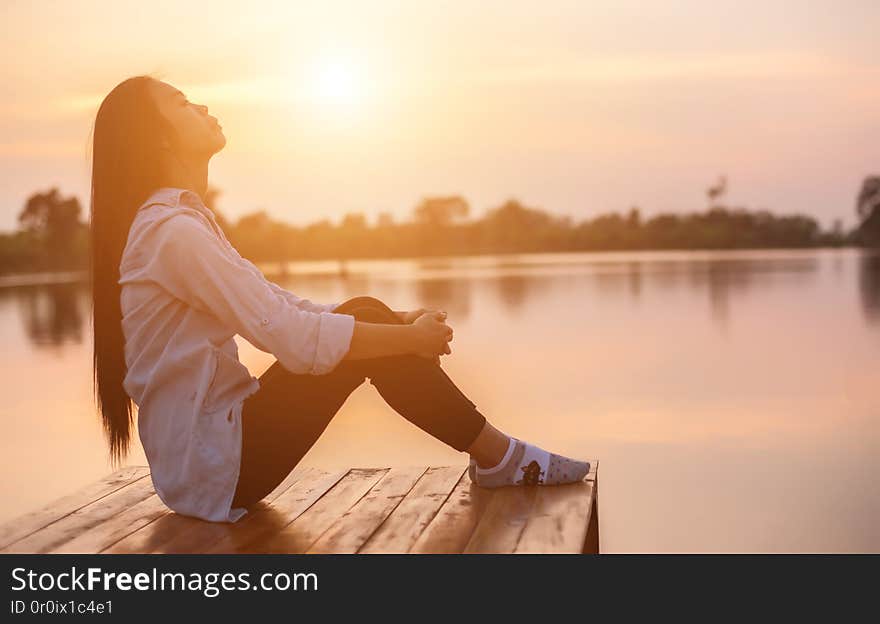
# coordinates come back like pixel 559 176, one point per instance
pixel 192 264
pixel 299 302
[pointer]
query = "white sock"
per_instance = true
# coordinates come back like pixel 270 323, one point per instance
pixel 500 465
pixel 527 464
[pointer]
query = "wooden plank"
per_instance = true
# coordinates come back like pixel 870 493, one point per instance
pixel 499 530
pixel 195 534
pixel 300 534
pixel 32 522
pixel 451 529
pixel 113 529
pixel 83 519
pixel 594 471
pixel 247 534
pixel 355 527
pixel 295 476
pixel 181 528
pixel 408 520
pixel 150 537
pixel 591 542
pixel 155 536
pixel 558 521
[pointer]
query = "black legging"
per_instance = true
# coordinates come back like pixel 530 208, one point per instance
pixel 286 416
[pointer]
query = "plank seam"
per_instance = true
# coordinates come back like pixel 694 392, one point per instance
pixel 332 524
pixel 341 475
pixel 385 519
pixel 439 507
pixel 442 506
pixel 60 518
pixel 109 546
pixel 532 496
pixel 48 506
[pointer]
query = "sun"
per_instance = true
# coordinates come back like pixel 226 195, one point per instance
pixel 336 81
pixel 338 84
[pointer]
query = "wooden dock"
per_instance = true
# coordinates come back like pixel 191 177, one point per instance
pixel 372 510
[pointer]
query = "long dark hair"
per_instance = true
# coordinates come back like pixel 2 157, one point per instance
pixel 128 150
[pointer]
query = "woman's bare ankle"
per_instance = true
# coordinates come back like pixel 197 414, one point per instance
pixel 489 447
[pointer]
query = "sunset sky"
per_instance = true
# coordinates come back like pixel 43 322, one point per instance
pixel 576 107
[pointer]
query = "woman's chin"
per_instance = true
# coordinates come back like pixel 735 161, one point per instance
pixel 221 142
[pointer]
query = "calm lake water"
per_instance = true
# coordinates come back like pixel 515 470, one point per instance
pixel 732 398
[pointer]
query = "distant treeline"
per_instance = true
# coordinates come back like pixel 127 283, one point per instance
pixel 52 235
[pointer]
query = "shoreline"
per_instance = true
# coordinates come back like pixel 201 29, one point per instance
pixel 342 266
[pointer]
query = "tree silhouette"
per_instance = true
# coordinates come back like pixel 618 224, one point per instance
pixel 434 219
pixel 868 210
pixel 441 211
pixel 53 223
pixel 384 220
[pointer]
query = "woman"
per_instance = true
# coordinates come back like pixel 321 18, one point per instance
pixel 170 292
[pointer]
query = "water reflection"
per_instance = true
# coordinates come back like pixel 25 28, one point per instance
pixel 635 279
pixel 513 291
pixel 52 315
pixel 727 280
pixel 452 295
pixel 722 280
pixel 869 285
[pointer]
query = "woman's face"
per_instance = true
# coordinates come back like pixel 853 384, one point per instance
pixel 198 133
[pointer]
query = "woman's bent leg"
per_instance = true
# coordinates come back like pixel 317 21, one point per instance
pixel 288 414
pixel 423 393
pixel 281 422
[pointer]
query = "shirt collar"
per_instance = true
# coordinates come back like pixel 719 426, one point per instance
pixel 171 196
pixel 177 197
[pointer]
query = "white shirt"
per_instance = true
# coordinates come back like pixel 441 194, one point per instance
pixel 185 293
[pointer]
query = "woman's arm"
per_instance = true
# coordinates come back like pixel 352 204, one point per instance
pixel 368 339
pixel 300 302
pixel 379 340
pixel 428 334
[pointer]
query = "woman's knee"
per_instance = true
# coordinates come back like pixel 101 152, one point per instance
pixel 367 308
pixel 372 315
